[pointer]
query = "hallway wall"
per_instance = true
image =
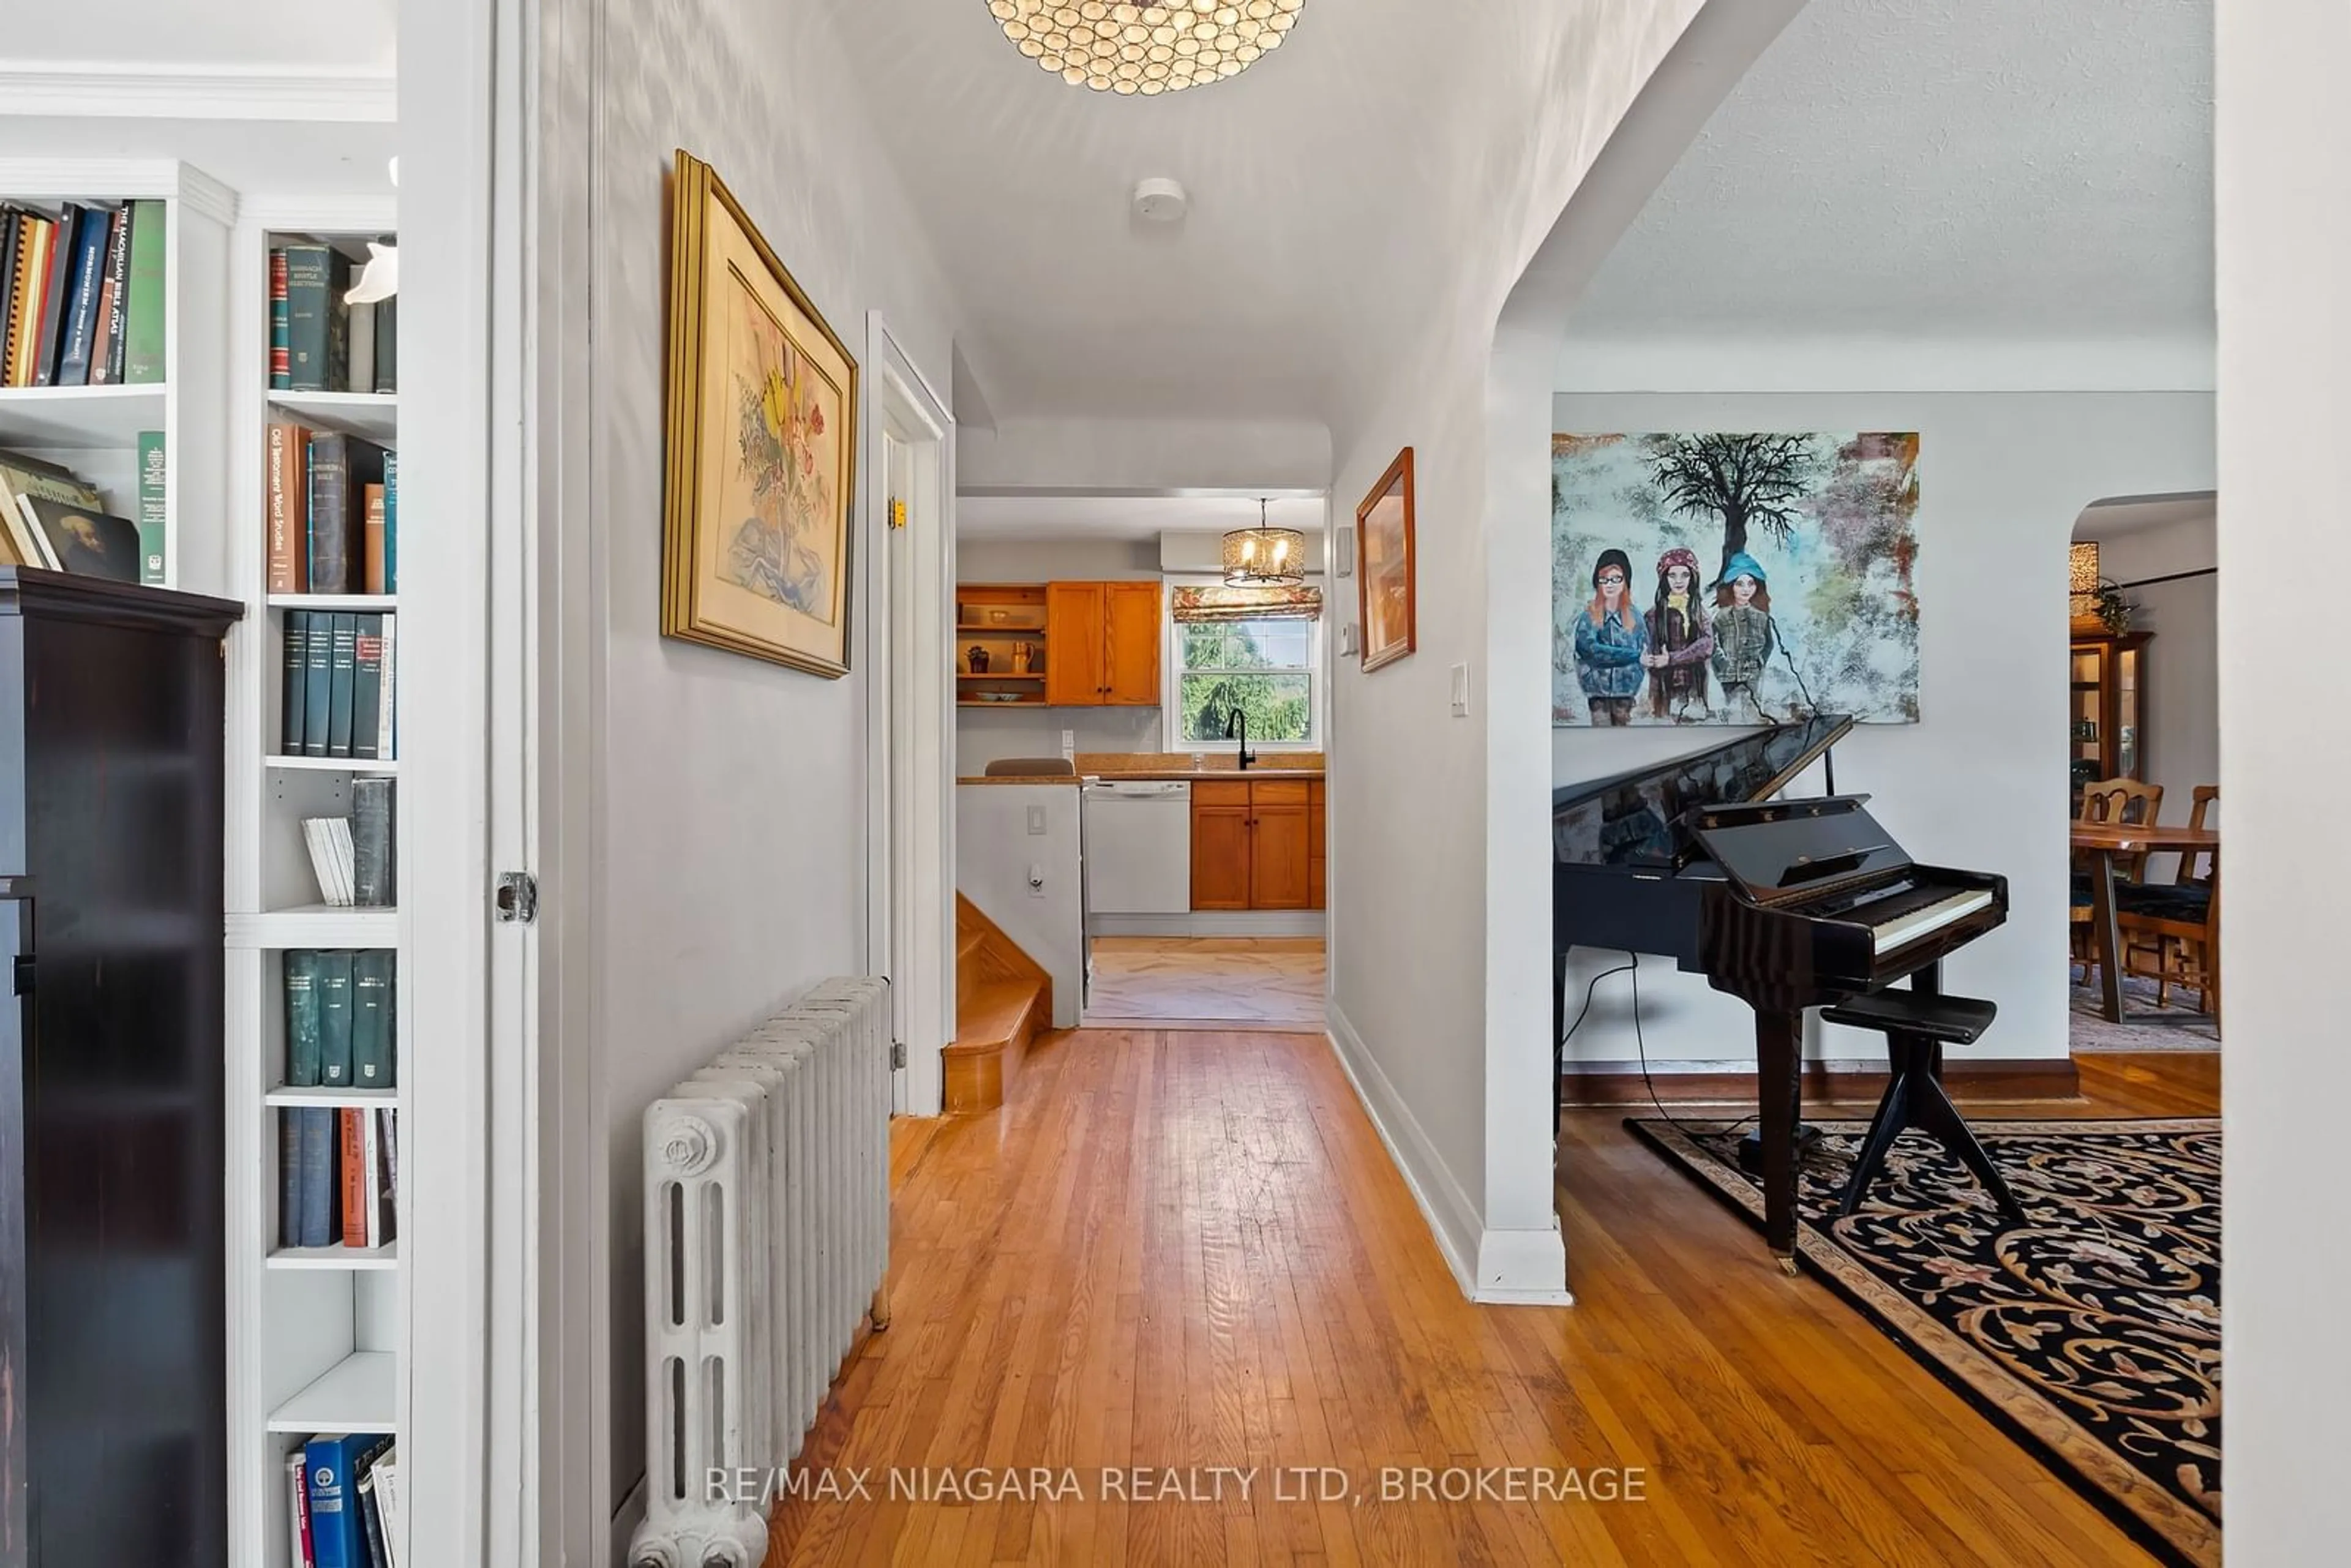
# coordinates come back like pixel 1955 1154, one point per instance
pixel 2183 695
pixel 730 817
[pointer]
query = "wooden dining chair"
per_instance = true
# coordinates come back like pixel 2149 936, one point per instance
pixel 2120 801
pixel 2171 933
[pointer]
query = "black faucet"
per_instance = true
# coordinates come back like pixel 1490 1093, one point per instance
pixel 1236 722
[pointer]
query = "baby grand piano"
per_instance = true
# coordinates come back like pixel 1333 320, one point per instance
pixel 1786 904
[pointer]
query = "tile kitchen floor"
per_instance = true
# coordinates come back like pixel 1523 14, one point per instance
pixel 1270 982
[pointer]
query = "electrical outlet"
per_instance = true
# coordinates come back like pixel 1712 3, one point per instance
pixel 1069 743
pixel 1036 880
pixel 1035 821
pixel 1460 691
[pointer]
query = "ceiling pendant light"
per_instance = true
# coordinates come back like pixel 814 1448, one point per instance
pixel 1147 49
pixel 1264 556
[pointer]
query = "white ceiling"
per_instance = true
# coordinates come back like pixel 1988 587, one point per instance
pixel 1940 168
pixel 1055 519
pixel 1327 185
pixel 197 36
pixel 2124 515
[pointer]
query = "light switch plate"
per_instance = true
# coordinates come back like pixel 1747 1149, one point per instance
pixel 1460 691
pixel 1037 822
pixel 1347 638
pixel 1343 552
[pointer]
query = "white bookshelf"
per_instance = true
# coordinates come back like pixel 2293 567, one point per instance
pixel 95 431
pixel 319 1335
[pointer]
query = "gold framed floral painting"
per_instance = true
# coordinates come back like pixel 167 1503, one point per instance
pixel 762 453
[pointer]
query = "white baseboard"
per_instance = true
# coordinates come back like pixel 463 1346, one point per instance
pixel 1499 1267
pixel 1212 923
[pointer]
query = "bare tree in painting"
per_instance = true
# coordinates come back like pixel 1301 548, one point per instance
pixel 1751 482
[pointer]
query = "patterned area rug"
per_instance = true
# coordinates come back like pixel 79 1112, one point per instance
pixel 2093 1335
pixel 2145 1026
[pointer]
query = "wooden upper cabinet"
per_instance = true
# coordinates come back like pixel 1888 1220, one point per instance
pixel 1073 643
pixel 1101 644
pixel 1132 640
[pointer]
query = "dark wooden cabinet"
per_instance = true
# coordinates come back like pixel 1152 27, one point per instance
pixel 2107 708
pixel 113 1333
pixel 1220 846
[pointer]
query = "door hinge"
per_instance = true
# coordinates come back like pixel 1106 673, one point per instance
pixel 897 1053
pixel 517 896
pixel 897 513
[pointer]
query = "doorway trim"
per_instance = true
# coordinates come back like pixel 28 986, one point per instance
pixel 910 730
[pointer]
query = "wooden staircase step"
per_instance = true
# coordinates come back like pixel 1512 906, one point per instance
pixel 992 1034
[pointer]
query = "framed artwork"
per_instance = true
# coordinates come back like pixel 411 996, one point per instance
pixel 762 454
pixel 1731 577
pixel 1383 565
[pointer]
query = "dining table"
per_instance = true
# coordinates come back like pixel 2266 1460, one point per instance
pixel 2102 843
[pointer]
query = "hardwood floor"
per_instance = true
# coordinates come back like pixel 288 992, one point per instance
pixel 1189 1250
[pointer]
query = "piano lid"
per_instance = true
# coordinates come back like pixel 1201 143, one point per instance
pixel 1801 848
pixel 1627 819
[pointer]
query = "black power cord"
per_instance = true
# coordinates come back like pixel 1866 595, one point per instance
pixel 1632 965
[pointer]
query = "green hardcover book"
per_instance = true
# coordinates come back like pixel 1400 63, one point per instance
pixel 371 1019
pixel 387 341
pixel 344 638
pixel 367 684
pixel 302 1021
pixel 335 1019
pixel 143 348
pixel 151 471
pixel 318 682
pixel 298 667
pixel 316 325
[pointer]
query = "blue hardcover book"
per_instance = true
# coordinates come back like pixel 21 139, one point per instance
pixel 337 1530
pixel 316 1201
pixel 335 1019
pixel 78 328
pixel 342 673
pixel 303 1023
pixel 289 1178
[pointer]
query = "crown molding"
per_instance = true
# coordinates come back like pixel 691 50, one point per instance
pixel 1921 363
pixel 31 88
pixel 323 214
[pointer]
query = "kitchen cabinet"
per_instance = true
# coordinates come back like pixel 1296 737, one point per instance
pixel 1254 844
pixel 1104 639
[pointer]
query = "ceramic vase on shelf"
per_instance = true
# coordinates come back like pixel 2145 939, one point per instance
pixel 977 657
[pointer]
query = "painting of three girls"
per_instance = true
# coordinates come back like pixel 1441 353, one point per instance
pixel 1647 632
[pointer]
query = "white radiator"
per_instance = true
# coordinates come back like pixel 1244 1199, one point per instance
pixel 767 1194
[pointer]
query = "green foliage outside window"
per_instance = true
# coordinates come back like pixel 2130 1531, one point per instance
pixel 1261 668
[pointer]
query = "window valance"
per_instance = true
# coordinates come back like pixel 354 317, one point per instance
pixel 1220 603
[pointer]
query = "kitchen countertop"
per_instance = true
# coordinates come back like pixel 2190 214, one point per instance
pixel 1167 767
pixel 1203 774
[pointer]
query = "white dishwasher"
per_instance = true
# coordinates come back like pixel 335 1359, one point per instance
pixel 1138 847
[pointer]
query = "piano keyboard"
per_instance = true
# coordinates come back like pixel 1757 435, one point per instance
pixel 1908 925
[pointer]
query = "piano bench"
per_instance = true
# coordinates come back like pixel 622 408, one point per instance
pixel 1917 1027
pixel 1952 1020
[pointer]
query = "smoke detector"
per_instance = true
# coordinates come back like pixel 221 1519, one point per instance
pixel 1161 201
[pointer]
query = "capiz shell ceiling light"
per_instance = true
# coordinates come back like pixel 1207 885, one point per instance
pixel 1146 49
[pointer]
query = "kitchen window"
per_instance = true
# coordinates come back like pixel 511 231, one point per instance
pixel 1266 666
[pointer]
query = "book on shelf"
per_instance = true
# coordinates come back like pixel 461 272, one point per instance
pixel 113 301
pixel 337 1464
pixel 386 1473
pixel 335 1019
pixel 342 673
pixel 371 1018
pixel 371 576
pixel 341 678
pixel 286 505
pixel 390 521
pixel 317 323
pixel 372 843
pixel 304 1027
pixel 81 286
pixel 281 343
pixel 352 857
pixel 359 358
pixel 54 520
pixel 153 491
pixel 339 1176
pixel 387 367
pixel 301 1554
pixel 341 468
pixel 372 1517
